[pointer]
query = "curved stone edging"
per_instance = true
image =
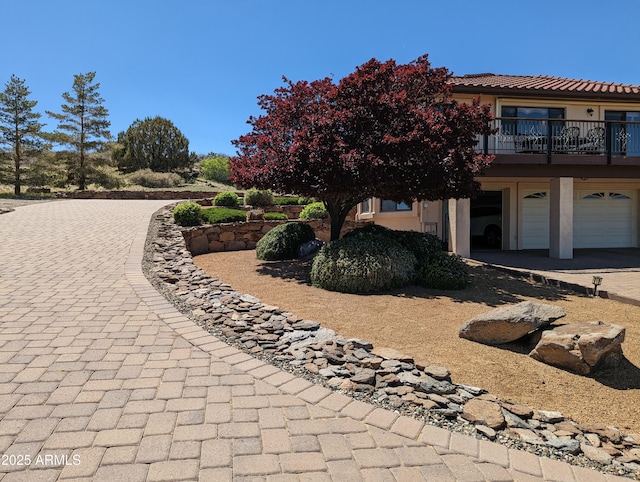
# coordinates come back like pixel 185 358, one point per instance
pixel 355 367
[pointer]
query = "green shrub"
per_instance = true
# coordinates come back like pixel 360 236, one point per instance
pixel 257 197
pixel 442 271
pixel 149 178
pixel 275 216
pixel 106 176
pixel 369 229
pixel 422 245
pixel 286 201
pixel 363 264
pixel 187 214
pixel 282 242
pixel 303 201
pixel 223 215
pixel 228 199
pixel 314 211
pixel 215 169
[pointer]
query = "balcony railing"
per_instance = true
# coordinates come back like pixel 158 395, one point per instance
pixel 562 136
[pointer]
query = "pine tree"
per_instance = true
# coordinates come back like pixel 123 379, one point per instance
pixel 83 123
pixel 19 126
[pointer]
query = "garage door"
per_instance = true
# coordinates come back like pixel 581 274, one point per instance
pixel 604 219
pixel 535 220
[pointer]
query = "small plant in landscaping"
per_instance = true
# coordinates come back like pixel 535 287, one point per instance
pixel 363 264
pixel 283 241
pixel 188 214
pixel 314 211
pixel 275 216
pixel 223 215
pixel 228 199
pixel 256 197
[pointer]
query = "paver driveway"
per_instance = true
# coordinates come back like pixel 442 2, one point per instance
pixel 102 379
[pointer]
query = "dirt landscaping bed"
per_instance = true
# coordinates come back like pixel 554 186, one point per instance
pixel 424 324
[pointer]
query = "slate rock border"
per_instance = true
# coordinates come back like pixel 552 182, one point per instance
pixel 383 377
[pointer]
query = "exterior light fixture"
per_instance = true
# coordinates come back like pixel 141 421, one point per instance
pixel 590 111
pixel 597 281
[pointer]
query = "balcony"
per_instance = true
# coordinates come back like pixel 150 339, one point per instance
pixel 562 141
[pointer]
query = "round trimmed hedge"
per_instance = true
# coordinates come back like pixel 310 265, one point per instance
pixel 433 267
pixel 259 198
pixel 314 211
pixel 283 241
pixel 420 244
pixel 227 199
pixel 363 264
pixel 187 214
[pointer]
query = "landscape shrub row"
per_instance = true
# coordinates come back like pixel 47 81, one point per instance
pixel 366 260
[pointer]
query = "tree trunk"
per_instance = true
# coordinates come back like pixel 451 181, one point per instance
pixel 336 225
pixel 82 178
pixel 338 212
pixel 16 182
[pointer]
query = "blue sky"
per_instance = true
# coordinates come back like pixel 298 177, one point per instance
pixel 202 63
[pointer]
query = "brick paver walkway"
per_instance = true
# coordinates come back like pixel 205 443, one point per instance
pixel 102 379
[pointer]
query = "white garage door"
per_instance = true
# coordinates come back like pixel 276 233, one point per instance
pixel 535 220
pixel 604 219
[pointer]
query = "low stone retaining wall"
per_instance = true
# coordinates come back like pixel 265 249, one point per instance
pixel 244 235
pixel 152 195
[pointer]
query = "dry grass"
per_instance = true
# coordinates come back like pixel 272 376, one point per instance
pixel 424 323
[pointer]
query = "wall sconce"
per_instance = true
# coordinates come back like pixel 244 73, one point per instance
pixel 590 111
pixel 597 281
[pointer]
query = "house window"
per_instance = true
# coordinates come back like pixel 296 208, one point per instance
pixel 532 120
pixel 392 206
pixel 617 195
pixel 537 195
pixel 365 206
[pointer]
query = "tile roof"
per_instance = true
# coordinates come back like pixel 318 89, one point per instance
pixel 542 85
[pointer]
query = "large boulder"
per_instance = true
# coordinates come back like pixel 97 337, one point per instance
pixel 509 323
pixel 581 347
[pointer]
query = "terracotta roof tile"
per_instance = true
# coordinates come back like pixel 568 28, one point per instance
pixel 541 85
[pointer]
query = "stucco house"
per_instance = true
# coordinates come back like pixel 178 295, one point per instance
pixel 566 173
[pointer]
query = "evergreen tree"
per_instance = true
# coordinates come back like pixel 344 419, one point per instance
pixel 153 143
pixel 20 130
pixel 83 124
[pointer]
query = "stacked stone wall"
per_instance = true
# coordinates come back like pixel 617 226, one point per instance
pixel 244 235
pixel 152 195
